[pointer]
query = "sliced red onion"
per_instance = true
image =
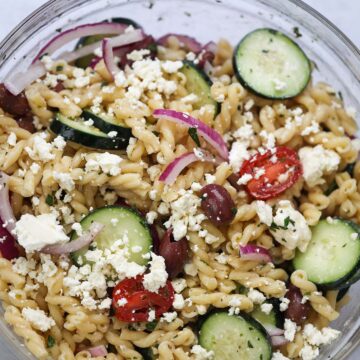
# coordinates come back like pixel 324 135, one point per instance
pixel 278 341
pixel 209 134
pixel 98 351
pixel 121 40
pixel 80 31
pixel 207 54
pixel 71 246
pixel 6 212
pixel 108 56
pixel 274 331
pixel 255 253
pixel 172 171
pixel 188 42
pixel 18 81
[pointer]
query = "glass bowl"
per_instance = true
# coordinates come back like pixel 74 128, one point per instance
pixel 337 62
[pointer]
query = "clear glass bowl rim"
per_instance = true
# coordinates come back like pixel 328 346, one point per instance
pixel 27 26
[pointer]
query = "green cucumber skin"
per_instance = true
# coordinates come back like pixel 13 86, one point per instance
pixel 74 256
pixel 205 78
pixel 248 86
pixel 351 277
pixel 106 127
pixel 86 139
pixel 251 321
pixel 276 317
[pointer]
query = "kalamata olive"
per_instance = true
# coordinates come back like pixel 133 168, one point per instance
pixel 175 253
pixel 59 87
pixel 217 204
pixel 296 311
pixel 14 105
pixel 26 122
pixel 233 180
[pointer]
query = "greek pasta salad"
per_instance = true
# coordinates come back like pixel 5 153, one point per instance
pixel 166 199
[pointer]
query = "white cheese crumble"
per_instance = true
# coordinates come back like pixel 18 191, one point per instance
pixel 38 319
pixel 151 217
pixel 171 66
pixel 256 296
pixel 317 162
pixel 264 212
pixel 201 353
pixel 137 55
pixel 169 316
pixel 289 227
pixel 105 162
pixel 266 308
pixel 41 149
pixel 179 302
pixel 279 356
pixel 59 142
pixel 319 337
pixel 238 154
pixel 290 328
pixel 36 232
pixel 11 140
pixel 312 129
pixel 34 168
pixel 184 215
pixel 65 180
pixel 156 278
pixel 279 84
pixel 284 304
pixel 308 352
pixel 179 285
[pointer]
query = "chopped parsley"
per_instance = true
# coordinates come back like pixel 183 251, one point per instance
pixel 59 68
pixel 150 326
pixel 49 200
pixel 287 221
pixel 50 341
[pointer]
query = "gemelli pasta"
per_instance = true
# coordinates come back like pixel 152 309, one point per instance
pixel 103 207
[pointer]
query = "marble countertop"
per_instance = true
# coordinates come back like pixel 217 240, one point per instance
pixel 344 14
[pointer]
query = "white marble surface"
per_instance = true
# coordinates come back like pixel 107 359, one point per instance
pixel 343 13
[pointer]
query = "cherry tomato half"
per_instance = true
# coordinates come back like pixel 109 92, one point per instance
pixel 272 172
pixel 140 301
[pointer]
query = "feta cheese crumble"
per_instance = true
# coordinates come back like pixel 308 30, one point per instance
pixel 289 227
pixel 157 276
pixel 201 353
pixel 36 232
pixel 317 162
pixel 38 319
pixel 105 162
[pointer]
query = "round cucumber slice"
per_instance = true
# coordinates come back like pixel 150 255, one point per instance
pixel 271 65
pixel 333 254
pixel 119 222
pixel 234 337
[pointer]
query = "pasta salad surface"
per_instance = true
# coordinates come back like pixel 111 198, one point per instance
pixel 164 199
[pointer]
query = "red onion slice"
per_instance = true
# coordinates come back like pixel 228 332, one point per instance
pixel 18 81
pixel 255 253
pixel 108 56
pixel 273 331
pixel 278 341
pixel 77 244
pixel 209 134
pixel 172 171
pixel 188 42
pixel 94 61
pixel 98 351
pixel 6 212
pixel 8 247
pixel 80 31
pixel 121 40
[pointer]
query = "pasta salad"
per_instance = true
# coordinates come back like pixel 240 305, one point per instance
pixel 166 199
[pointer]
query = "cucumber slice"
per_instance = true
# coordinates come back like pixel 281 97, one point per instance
pixel 106 124
pixel 89 136
pixel 234 337
pixel 198 83
pixel 85 61
pixel 271 65
pixel 332 259
pixel 274 318
pixel 127 222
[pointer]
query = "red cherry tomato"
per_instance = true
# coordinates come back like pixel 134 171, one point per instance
pixel 139 301
pixel 272 172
